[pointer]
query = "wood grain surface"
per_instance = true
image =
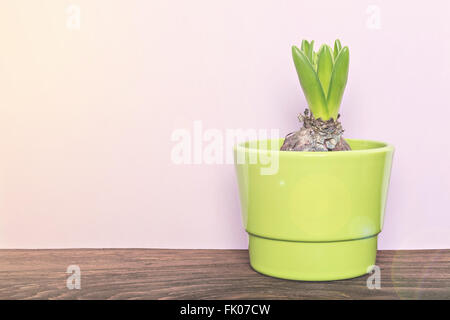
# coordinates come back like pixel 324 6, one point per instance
pixel 206 274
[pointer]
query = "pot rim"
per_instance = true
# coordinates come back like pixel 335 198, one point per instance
pixel 385 147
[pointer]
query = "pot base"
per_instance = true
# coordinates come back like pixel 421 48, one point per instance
pixel 312 261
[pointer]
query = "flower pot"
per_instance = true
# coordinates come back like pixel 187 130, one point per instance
pixel 313 215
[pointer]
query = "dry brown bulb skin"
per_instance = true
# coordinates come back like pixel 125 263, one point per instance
pixel 316 135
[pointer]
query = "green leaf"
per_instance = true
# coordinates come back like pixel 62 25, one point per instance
pixel 314 60
pixel 305 47
pixel 337 48
pixel 325 67
pixel 310 52
pixel 310 84
pixel 338 82
pixel 308 49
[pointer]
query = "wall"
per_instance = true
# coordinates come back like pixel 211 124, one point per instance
pixel 89 106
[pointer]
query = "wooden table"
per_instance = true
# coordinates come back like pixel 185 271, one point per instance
pixel 206 274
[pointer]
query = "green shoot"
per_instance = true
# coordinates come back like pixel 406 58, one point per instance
pixel 323 76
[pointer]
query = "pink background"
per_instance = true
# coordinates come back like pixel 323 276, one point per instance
pixel 87 115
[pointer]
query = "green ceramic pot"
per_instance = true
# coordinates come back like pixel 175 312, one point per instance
pixel 313 215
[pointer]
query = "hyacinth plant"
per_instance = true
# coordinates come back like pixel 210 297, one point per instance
pixel 323 77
